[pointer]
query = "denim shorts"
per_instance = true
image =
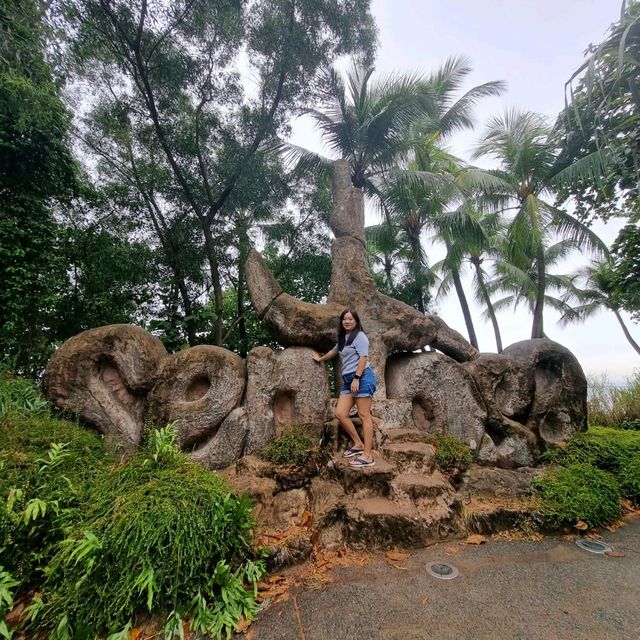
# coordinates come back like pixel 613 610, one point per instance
pixel 367 384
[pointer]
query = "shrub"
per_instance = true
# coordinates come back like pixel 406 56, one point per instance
pixel 578 492
pixel 604 448
pixel 451 453
pixel 162 535
pixel 295 448
pixel 19 395
pixel 630 478
pixel 46 470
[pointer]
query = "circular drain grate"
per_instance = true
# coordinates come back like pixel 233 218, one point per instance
pixel 442 570
pixel 593 546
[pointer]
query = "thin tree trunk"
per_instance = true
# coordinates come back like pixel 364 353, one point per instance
pixel 627 335
pixel 487 300
pixel 455 274
pixel 416 268
pixel 216 283
pixel 537 329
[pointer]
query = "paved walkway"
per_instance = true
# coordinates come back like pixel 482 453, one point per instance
pixel 548 590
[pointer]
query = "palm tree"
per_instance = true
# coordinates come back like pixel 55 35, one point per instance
pixel 523 144
pixel 521 284
pixel 473 235
pixel 595 294
pixel 373 124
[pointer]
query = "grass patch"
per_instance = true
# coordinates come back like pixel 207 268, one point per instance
pixel 605 448
pixel 294 448
pixel 629 477
pixel 578 492
pixel 451 453
pixel 611 405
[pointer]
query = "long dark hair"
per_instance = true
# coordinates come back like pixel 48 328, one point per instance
pixel 342 333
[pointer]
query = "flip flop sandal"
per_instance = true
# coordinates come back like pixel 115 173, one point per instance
pixel 350 453
pixel 361 463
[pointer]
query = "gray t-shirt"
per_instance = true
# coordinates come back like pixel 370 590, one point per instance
pixel 351 353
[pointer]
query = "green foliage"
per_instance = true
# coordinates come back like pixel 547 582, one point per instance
pixel 611 405
pixel 7 584
pixel 36 169
pixel 629 477
pixel 294 448
pixel 578 492
pixel 47 467
pixel 19 395
pixel 451 453
pixel 161 534
pixel 605 448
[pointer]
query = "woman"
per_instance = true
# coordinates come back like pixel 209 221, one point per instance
pixel 359 385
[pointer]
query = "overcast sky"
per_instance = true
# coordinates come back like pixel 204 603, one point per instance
pixel 534 46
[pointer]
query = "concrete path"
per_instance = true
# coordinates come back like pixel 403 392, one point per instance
pixel 548 590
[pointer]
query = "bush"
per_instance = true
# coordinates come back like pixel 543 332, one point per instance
pixel 162 535
pixel 578 492
pixel 630 478
pixel 19 395
pixel 451 453
pixel 47 467
pixel 611 405
pixel 295 448
pixel 604 448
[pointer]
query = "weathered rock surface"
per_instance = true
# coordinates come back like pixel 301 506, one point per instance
pixel 504 382
pixel 444 396
pixel 284 388
pixel 103 375
pixel 226 445
pixel 485 482
pixel 507 451
pixel 197 389
pixel 559 407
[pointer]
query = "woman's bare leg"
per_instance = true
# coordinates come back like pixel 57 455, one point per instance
pixel 343 407
pixel 364 413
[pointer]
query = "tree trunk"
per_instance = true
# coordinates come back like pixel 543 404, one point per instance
pixel 537 330
pixel 455 274
pixel 416 268
pixel 627 335
pixel 487 300
pixel 215 282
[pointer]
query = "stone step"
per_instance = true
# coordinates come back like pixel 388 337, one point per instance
pixel 420 485
pixel 379 523
pixel 487 516
pixel 402 434
pixel 367 482
pixel 411 457
pixel 382 523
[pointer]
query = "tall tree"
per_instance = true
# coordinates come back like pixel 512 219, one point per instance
pixel 174 70
pixel 524 145
pixel 593 290
pixel 36 171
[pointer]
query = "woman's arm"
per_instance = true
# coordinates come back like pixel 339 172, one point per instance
pixel 327 356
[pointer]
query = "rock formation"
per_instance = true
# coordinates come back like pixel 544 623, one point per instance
pixel 390 324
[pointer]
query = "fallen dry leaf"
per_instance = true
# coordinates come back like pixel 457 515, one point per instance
pixel 581 526
pixel 425 602
pixel 243 625
pixel 476 538
pixel 614 554
pixel 396 556
pixel 135 633
pixel 452 550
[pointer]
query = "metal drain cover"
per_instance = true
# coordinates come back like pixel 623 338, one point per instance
pixel 593 546
pixel 442 570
